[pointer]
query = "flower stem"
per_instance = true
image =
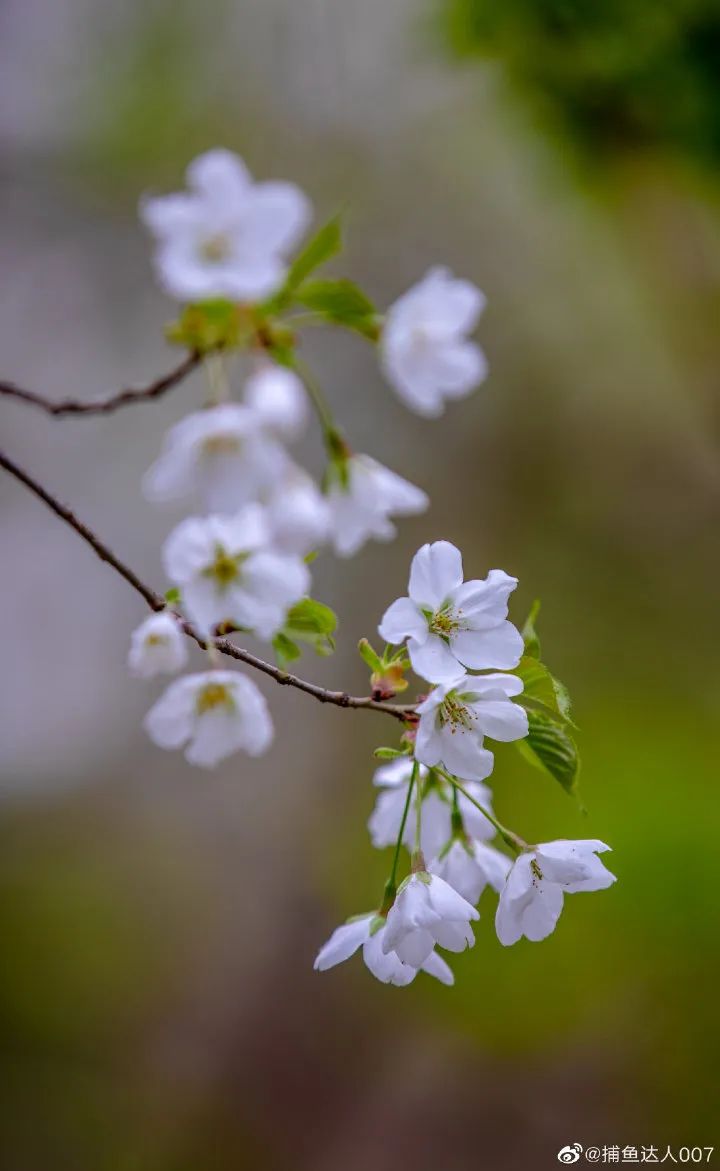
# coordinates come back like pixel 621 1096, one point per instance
pixel 322 410
pixel 512 840
pixel 391 884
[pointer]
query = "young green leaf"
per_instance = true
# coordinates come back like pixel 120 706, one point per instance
pixel 341 302
pixel 286 651
pixel 542 690
pixel 388 753
pixel 325 244
pixel 369 655
pixel 550 747
pixel 532 642
pixel 173 596
pixel 311 617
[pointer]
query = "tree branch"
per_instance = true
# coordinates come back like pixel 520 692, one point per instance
pixel 123 398
pixel 156 602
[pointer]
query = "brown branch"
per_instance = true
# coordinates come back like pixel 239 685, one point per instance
pixel 104 406
pixel 157 602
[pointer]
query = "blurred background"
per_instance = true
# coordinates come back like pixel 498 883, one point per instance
pixel 158 1006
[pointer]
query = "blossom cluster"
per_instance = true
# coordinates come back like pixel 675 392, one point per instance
pixel 433 799
pixel 241 560
pixel 227 249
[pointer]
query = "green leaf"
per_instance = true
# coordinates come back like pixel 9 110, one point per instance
pixel 388 753
pixel 370 656
pixel 325 244
pixel 549 746
pixel 532 642
pixel 314 623
pixel 311 617
pixel 341 302
pixel 542 690
pixel 286 651
pixel 173 596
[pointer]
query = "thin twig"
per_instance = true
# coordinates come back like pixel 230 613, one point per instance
pixel 123 398
pixel 157 602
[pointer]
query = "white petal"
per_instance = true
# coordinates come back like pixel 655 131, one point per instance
pixel 220 176
pixel 278 399
pixel 343 943
pixel 433 659
pixel 277 215
pixel 502 719
pixel 401 619
pixel 451 906
pixel 395 772
pixel 501 646
pixel 436 571
pixel 415 947
pixel 387 968
pixel 454 936
pixel 169 723
pixel 494 865
pixel 460 368
pixel 456 304
pixel 464 756
pixel 435 966
pixel 484 602
pixel 493 685
pixel 540 917
pixel 157 645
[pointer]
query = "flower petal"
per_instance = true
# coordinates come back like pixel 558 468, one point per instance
pixel 433 659
pixel 401 619
pixel 501 646
pixel 343 943
pixel 435 966
pixel 435 572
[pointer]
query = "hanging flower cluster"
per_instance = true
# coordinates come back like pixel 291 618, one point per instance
pixel 240 562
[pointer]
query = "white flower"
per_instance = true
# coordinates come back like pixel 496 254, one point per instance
pixel 368 932
pixel 450 623
pixel 227 573
pixel 277 398
pixel 361 508
pixel 425 354
pixel 218 712
pixel 157 645
pixel 384 824
pixel 298 513
pixel 532 898
pixel 470 866
pixel 223 454
pixel 427 911
pixel 227 236
pixel 457 714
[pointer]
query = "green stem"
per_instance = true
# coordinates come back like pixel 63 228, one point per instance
pixel 322 410
pixel 512 840
pixel 391 884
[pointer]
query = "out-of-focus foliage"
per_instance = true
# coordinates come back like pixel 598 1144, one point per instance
pixel 613 75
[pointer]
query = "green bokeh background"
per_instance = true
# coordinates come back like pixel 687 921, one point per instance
pixel 158 1007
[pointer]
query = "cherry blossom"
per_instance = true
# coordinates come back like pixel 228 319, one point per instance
pixel 427 911
pixel 369 931
pixel 223 455
pixel 214 713
pixel 450 623
pixel 157 646
pixel 532 898
pixel 361 508
pixel 227 571
pixel 458 714
pixel 227 236
pixel 425 353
